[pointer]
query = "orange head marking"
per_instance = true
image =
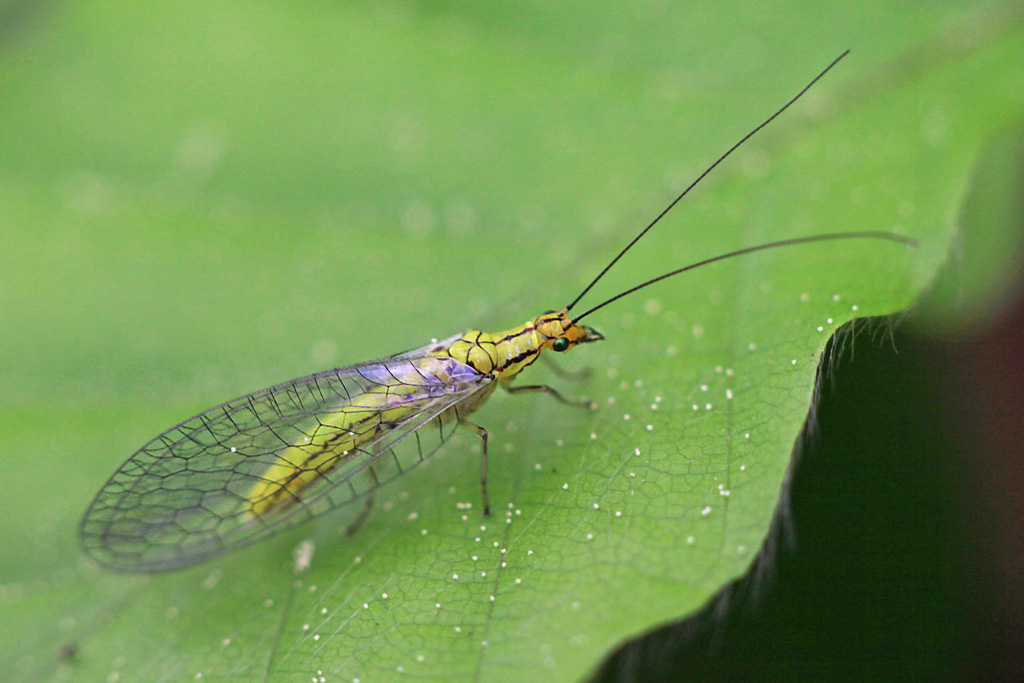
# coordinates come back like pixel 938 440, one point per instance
pixel 559 332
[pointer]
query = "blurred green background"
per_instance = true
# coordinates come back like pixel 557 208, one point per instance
pixel 201 199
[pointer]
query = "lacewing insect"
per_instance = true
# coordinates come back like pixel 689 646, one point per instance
pixel 270 460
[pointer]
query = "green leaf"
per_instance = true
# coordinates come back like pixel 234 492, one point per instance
pixel 201 199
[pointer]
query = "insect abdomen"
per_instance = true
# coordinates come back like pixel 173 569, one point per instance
pixel 342 435
pixel 337 439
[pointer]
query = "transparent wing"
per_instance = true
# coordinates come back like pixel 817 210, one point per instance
pixel 275 458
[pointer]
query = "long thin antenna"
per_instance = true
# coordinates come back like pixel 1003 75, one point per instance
pixel 909 241
pixel 700 178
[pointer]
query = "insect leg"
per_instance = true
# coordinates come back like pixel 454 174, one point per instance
pixel 354 525
pixel 483 465
pixel 583 403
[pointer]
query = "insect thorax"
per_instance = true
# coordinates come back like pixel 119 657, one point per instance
pixel 502 355
pixel 505 354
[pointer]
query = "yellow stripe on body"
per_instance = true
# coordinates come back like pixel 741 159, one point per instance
pixel 383 396
pixel 340 435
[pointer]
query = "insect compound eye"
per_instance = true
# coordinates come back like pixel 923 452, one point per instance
pixel 560 344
